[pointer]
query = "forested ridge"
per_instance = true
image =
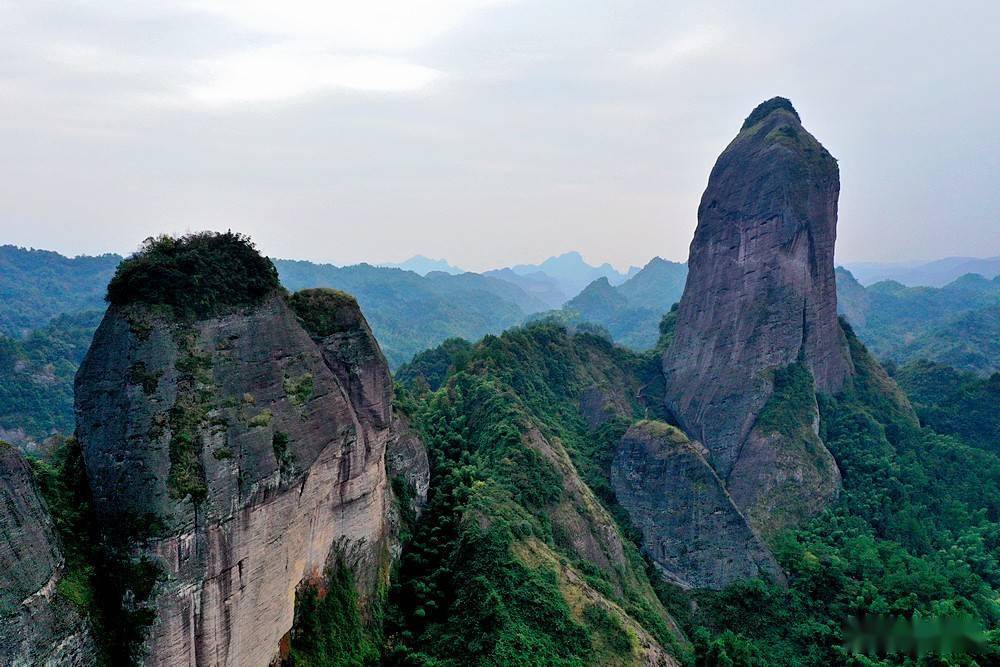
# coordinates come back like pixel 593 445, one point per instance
pixel 524 554
pixel 913 533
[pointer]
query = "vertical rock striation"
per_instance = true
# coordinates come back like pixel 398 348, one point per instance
pixel 761 296
pixel 760 291
pixel 240 455
pixel 38 626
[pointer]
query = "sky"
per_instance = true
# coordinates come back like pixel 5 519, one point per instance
pixel 488 132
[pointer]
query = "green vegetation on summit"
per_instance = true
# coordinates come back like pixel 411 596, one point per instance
pixel 197 275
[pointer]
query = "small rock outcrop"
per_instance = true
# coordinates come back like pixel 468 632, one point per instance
pixel 236 453
pixel 691 529
pixel 38 626
pixel 761 296
pixel 406 461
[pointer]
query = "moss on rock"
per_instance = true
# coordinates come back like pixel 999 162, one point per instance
pixel 325 311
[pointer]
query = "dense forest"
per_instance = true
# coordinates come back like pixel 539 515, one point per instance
pixel 523 553
pixel 913 533
pixel 36 376
pixel 957 325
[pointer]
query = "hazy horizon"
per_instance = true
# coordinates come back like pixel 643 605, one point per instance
pixel 485 132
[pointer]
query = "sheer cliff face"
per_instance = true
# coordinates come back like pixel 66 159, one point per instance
pixel 37 625
pixel 760 296
pixel 242 454
pixel 760 291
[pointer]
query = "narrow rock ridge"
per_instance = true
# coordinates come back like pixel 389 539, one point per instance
pixel 245 453
pixel 38 626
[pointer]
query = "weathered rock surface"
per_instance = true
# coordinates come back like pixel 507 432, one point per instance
pixel 601 403
pixel 761 296
pixel 245 452
pixel 584 527
pixel 691 529
pixel 760 291
pixel 784 471
pixel 37 625
pixel 755 337
pixel 350 351
pixel 406 459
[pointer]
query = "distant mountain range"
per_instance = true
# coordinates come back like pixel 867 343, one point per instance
pixel 48 304
pixel 930 274
pixel 409 312
pixel 539 284
pixel 418 307
pixel 630 311
pixel 571 273
pixel 423 265
pixel 37 285
pixel 958 324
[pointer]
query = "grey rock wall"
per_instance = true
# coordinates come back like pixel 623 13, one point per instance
pixel 695 534
pixel 760 290
pixel 242 454
pixel 38 626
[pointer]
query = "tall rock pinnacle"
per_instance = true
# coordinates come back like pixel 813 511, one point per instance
pixel 760 302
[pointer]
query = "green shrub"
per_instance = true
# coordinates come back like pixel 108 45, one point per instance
pixel 300 389
pixel 282 454
pixel 792 405
pixel 325 311
pixel 195 276
pixel 328 629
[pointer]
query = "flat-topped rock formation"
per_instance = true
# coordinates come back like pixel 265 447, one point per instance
pixel 239 451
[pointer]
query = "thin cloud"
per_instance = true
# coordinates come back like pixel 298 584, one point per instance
pixel 484 131
pixel 282 73
pixel 679 49
pixel 384 26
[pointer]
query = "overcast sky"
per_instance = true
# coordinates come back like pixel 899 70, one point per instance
pixel 489 132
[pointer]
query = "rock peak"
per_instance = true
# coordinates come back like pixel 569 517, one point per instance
pixel 766 108
pixel 761 297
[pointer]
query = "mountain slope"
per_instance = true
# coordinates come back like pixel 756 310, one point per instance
pixel 630 312
pixel 410 313
pixel 519 553
pixel 37 285
pixel 956 324
pixel 938 273
pixel 36 377
pixel 656 286
pixel 955 402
